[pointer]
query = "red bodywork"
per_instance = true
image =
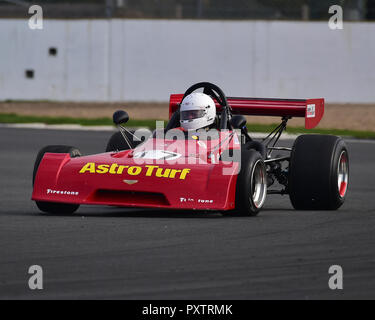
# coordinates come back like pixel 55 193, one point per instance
pixel 194 183
pixel 194 180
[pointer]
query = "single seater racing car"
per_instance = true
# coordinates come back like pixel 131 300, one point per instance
pixel 229 171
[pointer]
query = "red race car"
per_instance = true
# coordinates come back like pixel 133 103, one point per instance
pixel 217 168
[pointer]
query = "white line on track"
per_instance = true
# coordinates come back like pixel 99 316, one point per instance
pixel 43 126
pixel 56 126
pixel 351 140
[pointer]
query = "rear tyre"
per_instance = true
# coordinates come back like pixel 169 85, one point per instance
pixel 251 187
pixel 55 207
pixel 318 172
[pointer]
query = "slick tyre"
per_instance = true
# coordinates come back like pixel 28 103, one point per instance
pixel 54 207
pixel 117 142
pixel 318 172
pixel 251 187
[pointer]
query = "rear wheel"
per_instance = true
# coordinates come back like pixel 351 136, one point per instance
pixel 55 207
pixel 251 187
pixel 318 172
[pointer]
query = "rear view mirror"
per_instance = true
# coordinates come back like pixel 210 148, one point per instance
pixel 120 117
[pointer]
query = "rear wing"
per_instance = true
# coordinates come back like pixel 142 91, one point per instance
pixel 310 109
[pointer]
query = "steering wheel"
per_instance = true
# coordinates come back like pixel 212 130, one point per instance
pixel 210 89
pixel 215 92
pixel 218 94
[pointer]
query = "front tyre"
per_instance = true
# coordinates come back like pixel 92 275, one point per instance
pixel 118 143
pixel 55 207
pixel 318 172
pixel 251 187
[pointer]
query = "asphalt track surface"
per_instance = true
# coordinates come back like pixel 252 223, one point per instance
pixel 105 253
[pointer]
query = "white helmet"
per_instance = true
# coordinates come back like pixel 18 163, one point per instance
pixel 197 111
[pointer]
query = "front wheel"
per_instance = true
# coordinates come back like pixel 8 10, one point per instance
pixel 118 143
pixel 318 172
pixel 55 207
pixel 251 187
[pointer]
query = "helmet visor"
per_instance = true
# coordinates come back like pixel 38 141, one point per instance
pixel 192 114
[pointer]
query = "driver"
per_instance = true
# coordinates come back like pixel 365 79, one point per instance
pixel 197 111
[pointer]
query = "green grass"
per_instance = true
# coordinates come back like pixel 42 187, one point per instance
pixel 14 118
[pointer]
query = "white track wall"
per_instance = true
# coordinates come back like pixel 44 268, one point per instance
pixel 146 60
